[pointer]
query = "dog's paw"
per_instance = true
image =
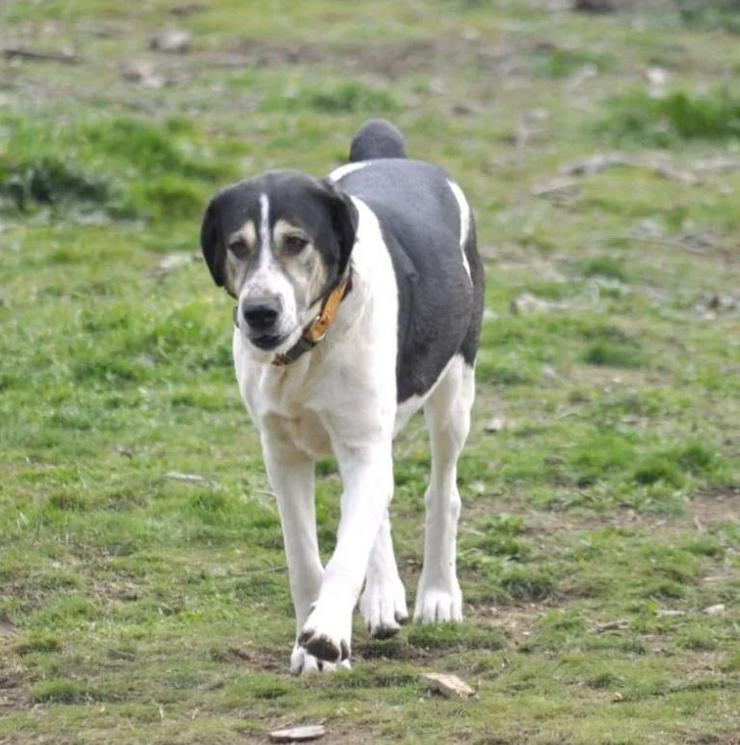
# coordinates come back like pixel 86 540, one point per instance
pixel 303 663
pixel 326 634
pixel 383 607
pixel 436 603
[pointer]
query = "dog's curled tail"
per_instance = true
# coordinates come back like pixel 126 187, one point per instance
pixel 377 138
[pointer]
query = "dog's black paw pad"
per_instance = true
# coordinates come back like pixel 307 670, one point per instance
pixel 323 648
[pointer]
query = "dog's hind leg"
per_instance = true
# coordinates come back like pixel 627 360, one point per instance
pixel 383 601
pixel 447 412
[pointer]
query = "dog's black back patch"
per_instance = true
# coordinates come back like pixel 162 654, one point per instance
pixel 440 308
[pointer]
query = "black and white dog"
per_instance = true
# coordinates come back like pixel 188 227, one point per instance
pixel 359 301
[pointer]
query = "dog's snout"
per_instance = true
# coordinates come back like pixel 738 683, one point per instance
pixel 261 313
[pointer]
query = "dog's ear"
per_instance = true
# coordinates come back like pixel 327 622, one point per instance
pixel 344 221
pixel 212 245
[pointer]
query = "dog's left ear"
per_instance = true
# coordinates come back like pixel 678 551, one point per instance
pixel 344 221
pixel 212 245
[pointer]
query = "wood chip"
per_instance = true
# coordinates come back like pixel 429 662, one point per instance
pixel 449 686
pixel 298 734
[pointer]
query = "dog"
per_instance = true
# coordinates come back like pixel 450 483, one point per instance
pixel 359 301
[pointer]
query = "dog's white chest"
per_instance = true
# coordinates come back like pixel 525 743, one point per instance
pixel 278 398
pixel 308 433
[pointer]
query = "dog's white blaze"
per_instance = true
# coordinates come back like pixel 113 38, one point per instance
pixel 268 280
pixel 464 207
pixel 342 171
pixel 264 227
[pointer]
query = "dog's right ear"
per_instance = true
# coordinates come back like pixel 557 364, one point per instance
pixel 212 245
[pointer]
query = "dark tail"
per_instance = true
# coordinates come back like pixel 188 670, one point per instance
pixel 377 138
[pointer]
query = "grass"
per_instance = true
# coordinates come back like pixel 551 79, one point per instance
pixel 674 118
pixel 598 525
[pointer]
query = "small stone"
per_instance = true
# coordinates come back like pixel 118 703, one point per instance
pixel 548 372
pixel 528 303
pixel 298 734
pixel 173 42
pixel 496 423
pixel 714 610
pixel 142 72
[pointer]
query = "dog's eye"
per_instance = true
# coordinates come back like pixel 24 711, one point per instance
pixel 238 248
pixel 294 244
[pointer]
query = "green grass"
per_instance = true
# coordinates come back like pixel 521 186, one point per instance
pixel 675 117
pixel 138 607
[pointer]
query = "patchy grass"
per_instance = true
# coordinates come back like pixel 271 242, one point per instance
pixel 598 525
pixel 660 122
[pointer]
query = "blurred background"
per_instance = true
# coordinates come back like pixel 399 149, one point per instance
pixel 143 596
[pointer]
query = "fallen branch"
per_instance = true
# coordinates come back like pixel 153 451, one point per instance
pixel 602 161
pixel 656 241
pixel 67 58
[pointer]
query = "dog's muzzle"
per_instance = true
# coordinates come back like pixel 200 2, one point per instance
pixel 260 318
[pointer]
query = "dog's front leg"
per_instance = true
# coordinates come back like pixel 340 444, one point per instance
pixel 367 477
pixel 291 474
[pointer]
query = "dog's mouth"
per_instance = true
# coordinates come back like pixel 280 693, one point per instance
pixel 267 341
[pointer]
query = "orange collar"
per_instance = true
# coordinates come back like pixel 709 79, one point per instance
pixel 316 330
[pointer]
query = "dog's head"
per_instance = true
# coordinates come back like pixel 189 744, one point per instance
pixel 278 243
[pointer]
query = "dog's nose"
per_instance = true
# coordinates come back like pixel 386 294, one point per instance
pixel 261 313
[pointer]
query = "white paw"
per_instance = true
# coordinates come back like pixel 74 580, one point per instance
pixel 439 602
pixel 383 607
pixel 327 633
pixel 303 663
